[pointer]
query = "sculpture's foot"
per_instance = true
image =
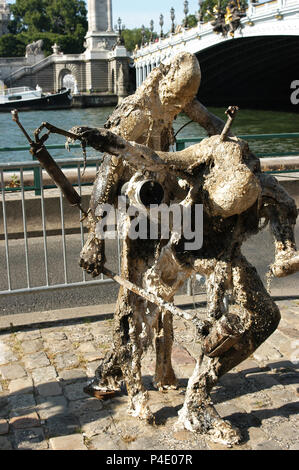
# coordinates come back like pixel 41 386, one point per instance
pixel 167 382
pixel 101 392
pixel 206 421
pixel 286 264
pixel 139 408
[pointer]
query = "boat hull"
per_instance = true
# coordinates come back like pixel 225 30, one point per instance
pixel 61 100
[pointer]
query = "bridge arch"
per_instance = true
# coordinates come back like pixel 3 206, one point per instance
pixel 252 72
pixel 68 77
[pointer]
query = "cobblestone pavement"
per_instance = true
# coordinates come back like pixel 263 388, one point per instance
pixel 42 404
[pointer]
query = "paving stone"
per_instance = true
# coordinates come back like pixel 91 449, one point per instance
pixel 248 367
pixel 289 332
pixel 29 335
pixel 104 442
pixel 22 402
pixel 32 346
pixel 289 378
pixel 6 354
pixel 56 347
pixel 267 352
pixel 72 375
pixel 49 389
pixel 266 445
pixel 256 435
pixel 13 371
pixel 87 347
pixel 4 407
pixel 281 397
pixel 30 439
pixel 24 421
pixel 48 407
pixel 80 335
pixel 5 443
pixel 23 385
pixel 92 367
pixel 66 361
pixel 36 361
pixel 286 431
pixel 180 356
pixel 87 405
pixel 93 424
pixel 263 380
pixel 54 336
pixel 74 391
pixel 62 425
pixel 44 374
pixel 72 442
pixel 4 427
pixel 294 446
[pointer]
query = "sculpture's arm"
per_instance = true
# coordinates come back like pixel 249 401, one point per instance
pixel 199 113
pixel 140 155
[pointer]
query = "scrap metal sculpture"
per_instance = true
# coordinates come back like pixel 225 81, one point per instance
pixel 223 175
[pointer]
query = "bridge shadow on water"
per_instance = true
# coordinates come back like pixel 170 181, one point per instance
pixel 252 72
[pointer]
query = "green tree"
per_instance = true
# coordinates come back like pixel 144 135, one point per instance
pixel 11 46
pixel 133 37
pixel 52 16
pixel 191 21
pixel 60 21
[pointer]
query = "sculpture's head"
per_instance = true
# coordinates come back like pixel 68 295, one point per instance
pixel 181 80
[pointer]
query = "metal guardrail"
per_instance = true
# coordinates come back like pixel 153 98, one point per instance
pixel 7 267
pixel 7 284
pixel 181 144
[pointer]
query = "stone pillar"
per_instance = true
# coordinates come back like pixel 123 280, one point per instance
pixel 110 17
pixel 98 15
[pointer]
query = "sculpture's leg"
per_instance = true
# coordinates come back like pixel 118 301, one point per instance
pixel 164 278
pixel 282 212
pixel 164 374
pixel 217 282
pixel 257 318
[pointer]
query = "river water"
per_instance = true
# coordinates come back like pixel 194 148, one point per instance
pixel 247 122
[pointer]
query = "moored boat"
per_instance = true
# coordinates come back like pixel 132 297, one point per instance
pixel 28 99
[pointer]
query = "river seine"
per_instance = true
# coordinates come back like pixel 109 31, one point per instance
pixel 247 122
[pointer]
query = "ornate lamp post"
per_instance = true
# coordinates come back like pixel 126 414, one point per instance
pixel 161 24
pixel 186 11
pixel 151 30
pixel 172 16
pixel 120 27
pixel 142 34
pixel 200 12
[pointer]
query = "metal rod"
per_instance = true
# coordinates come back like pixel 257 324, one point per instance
pixel 63 238
pixel 5 233
pixel 149 296
pixel 44 228
pixel 25 228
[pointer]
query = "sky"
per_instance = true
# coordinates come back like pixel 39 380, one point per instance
pixel 134 13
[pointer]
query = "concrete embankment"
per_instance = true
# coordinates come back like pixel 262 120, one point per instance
pixel 94 100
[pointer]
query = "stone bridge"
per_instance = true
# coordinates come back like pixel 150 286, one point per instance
pixel 255 69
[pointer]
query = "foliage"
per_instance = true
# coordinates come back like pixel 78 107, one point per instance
pixel 60 21
pixel 191 21
pixel 133 37
pixel 51 16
